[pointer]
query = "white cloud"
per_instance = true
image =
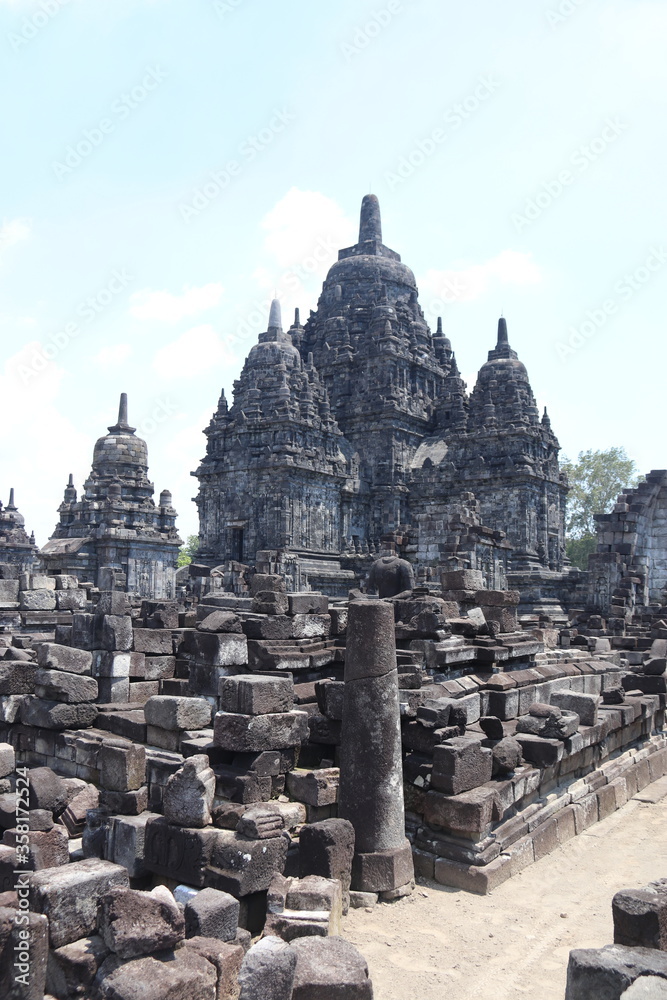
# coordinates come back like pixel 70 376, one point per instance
pixel 196 348
pixel 168 308
pixel 113 354
pixel 510 267
pixel 13 231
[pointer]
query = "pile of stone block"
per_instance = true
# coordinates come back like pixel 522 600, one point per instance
pixel 634 967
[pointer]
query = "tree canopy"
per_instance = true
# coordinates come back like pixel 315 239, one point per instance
pixel 187 552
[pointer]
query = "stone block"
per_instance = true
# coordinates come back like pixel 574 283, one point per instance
pixel 261 822
pixel 314 788
pixel 71 600
pixel 133 923
pixel 56 685
pixel 462 579
pixel 467 815
pixel 69 896
pixel 460 764
pixel 188 796
pixel 384 870
pixel 72 968
pixel 248 733
pixel 217 621
pixel 584 705
pixel 640 917
pixel 212 914
pixel 311 626
pixel 111 663
pixel 111 602
pixel 45 848
pixel 17 678
pixel 7 759
pixel 181 975
pixel 13 940
pixel 268 970
pixel 308 603
pixel 37 600
pixel 504 704
pixel 52 656
pixel 177 853
pixel 327 848
pixel 218 649
pixel 156 642
pixel 608 972
pixel 47 790
pixel 157 668
pixel 45 714
pixel 539 751
pixel 113 690
pixel 122 767
pixel 83 631
pixel 242 867
pixel 472 878
pixel 249 694
pixel 174 713
pixel 226 959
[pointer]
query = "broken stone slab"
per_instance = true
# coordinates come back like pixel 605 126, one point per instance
pixel 7 759
pixel 57 685
pixel 44 848
pixel 268 602
pixel 327 848
pixel 156 642
pixel 584 705
pixel 69 896
pixel 640 917
pixel 267 972
pixel 609 971
pixel 252 733
pixel 47 790
pixel 26 944
pixel 218 621
pixel 248 694
pixel 507 756
pixel 212 914
pixel 241 866
pixel 303 907
pixel 43 714
pixel 314 788
pixel 226 957
pixel 180 975
pixel 133 923
pixel 179 853
pixel 72 968
pixel 188 796
pixel 174 713
pixel 460 764
pixel 261 822
pixel 330 969
pixel 53 656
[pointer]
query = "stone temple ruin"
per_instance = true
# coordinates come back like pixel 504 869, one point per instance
pixel 196 785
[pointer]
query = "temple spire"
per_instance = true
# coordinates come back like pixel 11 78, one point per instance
pixel 122 426
pixel 370 222
pixel 502 332
pixel 11 505
pixel 71 480
pixel 275 316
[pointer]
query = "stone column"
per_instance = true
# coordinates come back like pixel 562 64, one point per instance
pixel 371 772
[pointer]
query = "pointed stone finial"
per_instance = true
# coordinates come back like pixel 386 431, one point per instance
pixel 11 505
pixel 439 329
pixel 70 481
pixel 370 222
pixel 502 331
pixel 297 317
pixel 275 316
pixel 122 426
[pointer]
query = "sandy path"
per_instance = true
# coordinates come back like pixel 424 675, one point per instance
pixel 442 943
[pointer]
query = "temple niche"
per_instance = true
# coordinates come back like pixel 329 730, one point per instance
pixel 355 433
pixel 114 535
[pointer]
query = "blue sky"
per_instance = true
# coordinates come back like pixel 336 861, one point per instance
pixel 166 166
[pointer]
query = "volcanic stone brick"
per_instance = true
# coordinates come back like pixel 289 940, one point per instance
pixel 460 764
pixel 47 790
pixel 308 603
pixel 128 840
pixel 45 848
pixel 7 759
pixel 111 602
pixel 225 957
pixel 52 656
pixel 69 896
pixel 56 715
pixel 114 690
pixel 72 968
pixel 174 852
pixel 241 866
pixel 330 968
pixel 371 789
pixel 267 602
pixel 248 694
pixel 56 685
pixel 655 667
pixel 181 975
pixel 252 733
pixel 156 642
pixel 122 767
pixel 173 713
pixel 37 600
pixel 330 696
pixel 467 815
pixel 17 678
pixel 219 621
pixel 157 668
pixel 111 663
pixel 218 649
pixel 506 755
pixel 315 788
pixel 212 914
pixel 188 796
pixel 71 600
pixel 539 751
pixel 267 972
pixel 261 822
pixel 83 631
pixel 609 971
pixel 647 988
pixel 640 917
pixel 301 907
pixel 584 705
pixel 327 848
pixel 133 923
pixel 13 949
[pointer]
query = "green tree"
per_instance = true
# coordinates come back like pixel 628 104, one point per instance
pixel 596 479
pixel 188 551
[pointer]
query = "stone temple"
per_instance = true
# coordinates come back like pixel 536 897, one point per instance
pixel 17 548
pixel 354 434
pixel 114 535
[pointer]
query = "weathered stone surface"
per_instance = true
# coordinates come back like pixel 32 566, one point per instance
pixel 261 822
pixel 460 764
pixel 188 796
pixel 252 733
pixel 7 759
pixel 330 969
pixel 640 917
pixel 31 961
pixel 315 788
pixel 69 896
pixel 57 715
pixel 584 705
pixel 267 972
pixel 608 972
pixel 122 767
pixel 220 621
pixel 255 695
pixel 241 866
pixel 327 848
pixel 52 656
pixel 72 968
pixel 180 975
pixel 45 848
pixel 226 958
pixel 212 914
pixel 133 923
pixel 47 789
pixel 174 713
pixel 506 756
pixel 57 685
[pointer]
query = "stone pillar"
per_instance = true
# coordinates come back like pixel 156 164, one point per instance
pixel 371 772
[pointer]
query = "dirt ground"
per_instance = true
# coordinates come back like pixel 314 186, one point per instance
pixel 514 943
